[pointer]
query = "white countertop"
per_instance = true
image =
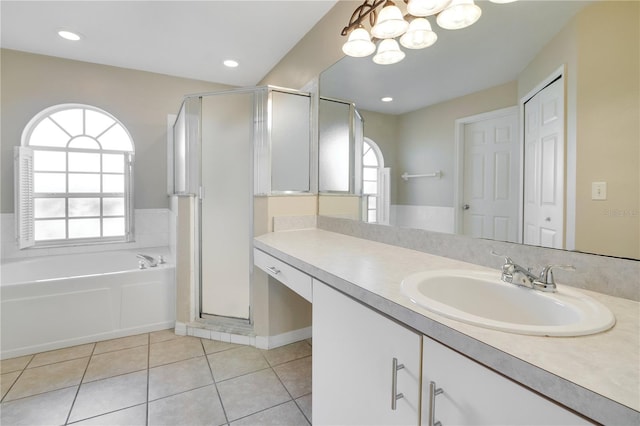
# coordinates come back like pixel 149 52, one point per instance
pixel 596 375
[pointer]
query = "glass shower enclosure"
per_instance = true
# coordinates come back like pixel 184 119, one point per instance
pixel 229 146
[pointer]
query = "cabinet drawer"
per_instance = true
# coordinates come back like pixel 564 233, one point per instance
pixel 286 274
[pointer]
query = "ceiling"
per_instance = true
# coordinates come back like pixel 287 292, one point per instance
pixel 191 39
pixel 181 38
pixel 491 52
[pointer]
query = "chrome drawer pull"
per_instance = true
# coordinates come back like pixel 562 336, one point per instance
pixel 274 270
pixel 395 396
pixel 433 392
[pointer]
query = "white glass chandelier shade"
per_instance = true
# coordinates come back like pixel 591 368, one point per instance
pixel 459 14
pixel 426 7
pixel 390 22
pixel 419 35
pixel 359 44
pixel 388 52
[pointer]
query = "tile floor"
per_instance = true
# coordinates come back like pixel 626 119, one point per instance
pixel 159 379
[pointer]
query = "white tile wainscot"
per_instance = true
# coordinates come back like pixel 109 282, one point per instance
pixel 597 376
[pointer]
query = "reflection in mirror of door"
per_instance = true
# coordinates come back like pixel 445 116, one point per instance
pixel 598 44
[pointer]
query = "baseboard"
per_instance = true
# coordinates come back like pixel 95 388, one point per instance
pixel 270 342
pixel 81 340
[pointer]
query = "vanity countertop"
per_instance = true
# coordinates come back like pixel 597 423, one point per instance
pixel 596 375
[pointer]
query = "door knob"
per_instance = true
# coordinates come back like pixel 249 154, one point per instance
pixel 466 207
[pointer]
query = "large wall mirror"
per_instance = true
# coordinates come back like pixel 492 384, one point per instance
pixel 453 144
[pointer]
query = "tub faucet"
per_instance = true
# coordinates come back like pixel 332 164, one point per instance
pixel 518 275
pixel 147 260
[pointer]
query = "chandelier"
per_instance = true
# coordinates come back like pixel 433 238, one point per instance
pixel 413 29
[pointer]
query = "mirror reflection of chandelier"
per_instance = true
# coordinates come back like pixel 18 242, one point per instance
pixel 413 29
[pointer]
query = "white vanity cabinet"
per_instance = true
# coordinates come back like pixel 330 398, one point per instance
pixel 355 377
pixel 475 395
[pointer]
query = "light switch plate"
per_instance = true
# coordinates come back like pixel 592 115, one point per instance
pixel 598 190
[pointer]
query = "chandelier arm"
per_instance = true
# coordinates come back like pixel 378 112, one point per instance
pixel 367 8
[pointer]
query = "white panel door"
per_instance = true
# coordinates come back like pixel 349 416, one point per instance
pixel 353 352
pixel 491 164
pixel 226 207
pixel 544 167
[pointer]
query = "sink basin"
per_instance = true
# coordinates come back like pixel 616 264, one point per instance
pixel 482 299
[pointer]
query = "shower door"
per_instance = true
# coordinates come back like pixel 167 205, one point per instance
pixel 226 203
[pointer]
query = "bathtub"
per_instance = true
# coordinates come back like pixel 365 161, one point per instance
pixel 58 301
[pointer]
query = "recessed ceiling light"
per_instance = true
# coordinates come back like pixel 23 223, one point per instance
pixel 69 35
pixel 387 99
pixel 230 63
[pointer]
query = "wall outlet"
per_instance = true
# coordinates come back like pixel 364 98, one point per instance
pixel 598 190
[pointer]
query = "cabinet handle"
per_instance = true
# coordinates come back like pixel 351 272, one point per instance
pixel 395 396
pixel 274 270
pixel 433 392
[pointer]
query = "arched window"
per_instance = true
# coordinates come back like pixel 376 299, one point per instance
pixel 374 183
pixel 73 173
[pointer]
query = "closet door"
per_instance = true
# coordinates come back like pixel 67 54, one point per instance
pixel 544 171
pixel 226 211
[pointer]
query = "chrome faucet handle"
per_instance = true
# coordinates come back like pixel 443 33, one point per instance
pixel 546 276
pixel 507 259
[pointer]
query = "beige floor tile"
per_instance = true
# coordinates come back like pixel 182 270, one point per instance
pixel 296 376
pixel 108 395
pixel 304 402
pixel 197 407
pixel 59 355
pixel 6 381
pixel 174 350
pixel 14 364
pixel 236 362
pixel 163 335
pixel 116 363
pixel 134 416
pixel 213 346
pixel 287 414
pixel 51 408
pixel 121 343
pixel 47 378
pixel 251 393
pixel 178 377
pixel 287 353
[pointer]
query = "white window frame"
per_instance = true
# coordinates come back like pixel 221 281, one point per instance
pixel 24 182
pixel 382 184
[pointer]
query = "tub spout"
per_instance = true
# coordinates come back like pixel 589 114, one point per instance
pixel 147 259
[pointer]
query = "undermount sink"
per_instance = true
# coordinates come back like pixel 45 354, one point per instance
pixel 482 299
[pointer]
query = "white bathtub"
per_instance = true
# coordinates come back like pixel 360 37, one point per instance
pixel 58 301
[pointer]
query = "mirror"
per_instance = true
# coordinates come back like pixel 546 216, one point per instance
pixel 499 62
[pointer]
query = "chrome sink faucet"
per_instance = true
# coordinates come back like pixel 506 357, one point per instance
pixel 518 275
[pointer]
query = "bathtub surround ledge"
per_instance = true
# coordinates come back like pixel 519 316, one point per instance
pixel 151 229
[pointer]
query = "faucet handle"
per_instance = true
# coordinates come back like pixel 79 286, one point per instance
pixel 546 276
pixel 507 259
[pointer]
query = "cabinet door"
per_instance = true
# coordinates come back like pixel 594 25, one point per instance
pixel 475 395
pixel 353 352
